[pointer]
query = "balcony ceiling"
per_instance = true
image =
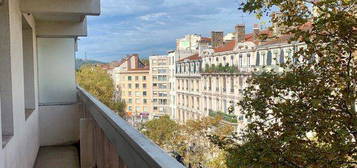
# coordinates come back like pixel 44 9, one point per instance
pixel 58 17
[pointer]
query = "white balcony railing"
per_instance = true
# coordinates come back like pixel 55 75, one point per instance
pixel 109 141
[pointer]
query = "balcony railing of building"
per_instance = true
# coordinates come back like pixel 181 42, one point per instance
pixel 109 141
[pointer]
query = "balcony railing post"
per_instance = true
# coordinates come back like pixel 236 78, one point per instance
pixel 99 146
pixel 111 158
pixel 87 143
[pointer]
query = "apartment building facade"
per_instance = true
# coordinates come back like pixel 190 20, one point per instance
pixel 224 73
pixel 172 81
pixel 188 89
pixel 133 84
pixel 160 74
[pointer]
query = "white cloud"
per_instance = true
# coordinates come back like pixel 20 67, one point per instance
pixel 153 16
pixel 151 27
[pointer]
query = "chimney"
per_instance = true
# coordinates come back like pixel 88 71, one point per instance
pixel 217 39
pixel 240 33
pixel 256 32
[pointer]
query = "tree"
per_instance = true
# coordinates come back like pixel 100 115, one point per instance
pixel 145 61
pixel 304 115
pixel 97 82
pixel 189 140
pixel 199 148
pixel 161 130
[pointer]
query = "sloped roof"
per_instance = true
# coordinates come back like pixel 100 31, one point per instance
pixel 205 40
pixel 191 58
pixel 226 47
pixel 250 37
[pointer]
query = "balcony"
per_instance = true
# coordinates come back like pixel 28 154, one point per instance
pixel 106 140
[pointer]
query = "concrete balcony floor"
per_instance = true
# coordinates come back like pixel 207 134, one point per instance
pixel 58 157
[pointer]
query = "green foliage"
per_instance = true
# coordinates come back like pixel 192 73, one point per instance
pixel 189 140
pixel 226 117
pixel 145 61
pixel 304 116
pixel 97 82
pixel 161 130
pixel 221 69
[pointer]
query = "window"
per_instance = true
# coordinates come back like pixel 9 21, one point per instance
pixel 162 71
pixel 144 78
pixel 129 93
pixel 144 93
pixel 258 59
pixel 240 60
pixel 129 85
pixel 145 101
pixel 269 58
pixel 129 78
pixel 209 83
pixel 137 100
pixel 137 86
pixel 130 101
pixel 138 108
pixel 232 84
pixel 224 84
pixel 281 60
pixel 28 69
pixel 144 85
pixel 162 85
pixel 136 78
pixel 155 108
pixel 162 77
pixel 129 108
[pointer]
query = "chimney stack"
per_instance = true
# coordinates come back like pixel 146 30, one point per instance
pixel 217 39
pixel 256 32
pixel 240 33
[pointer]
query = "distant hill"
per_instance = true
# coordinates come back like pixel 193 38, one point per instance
pixel 80 62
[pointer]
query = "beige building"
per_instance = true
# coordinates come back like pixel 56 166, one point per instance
pixel 160 74
pixel 133 83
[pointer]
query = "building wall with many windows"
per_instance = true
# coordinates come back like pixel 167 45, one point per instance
pixel 188 89
pixel 160 74
pixel 224 74
pixel 133 83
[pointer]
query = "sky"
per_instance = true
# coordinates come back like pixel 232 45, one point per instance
pixel 149 27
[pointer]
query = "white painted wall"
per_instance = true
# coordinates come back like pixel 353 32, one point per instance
pixel 56 65
pixel 59 125
pixel 59 114
pixel 21 150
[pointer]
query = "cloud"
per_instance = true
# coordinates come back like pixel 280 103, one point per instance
pixel 152 27
pixel 153 16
